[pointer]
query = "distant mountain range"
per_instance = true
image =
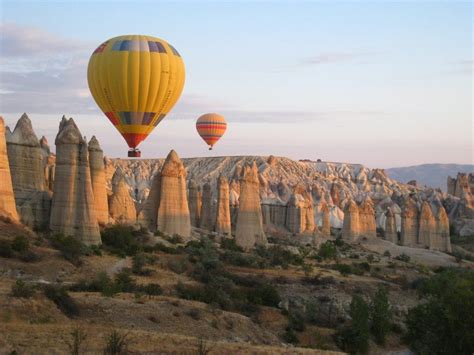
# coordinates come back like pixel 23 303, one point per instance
pixel 432 175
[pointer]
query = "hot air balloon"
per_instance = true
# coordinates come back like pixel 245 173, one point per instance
pixel 211 127
pixel 135 80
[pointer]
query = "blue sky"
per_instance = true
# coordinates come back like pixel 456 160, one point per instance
pixel 379 83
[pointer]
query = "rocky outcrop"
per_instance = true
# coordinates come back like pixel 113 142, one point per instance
pixel 121 206
pixel 207 220
pixel 427 226
pixel 7 199
pixel 173 211
pixel 99 184
pixel 195 203
pixel 27 165
pixel 367 224
pixel 409 224
pixel 390 233
pixel 249 228
pixel 48 163
pixel 147 217
pixel 223 223
pixel 351 225
pixel 72 210
pixel 300 212
pixel 442 239
pixel 326 221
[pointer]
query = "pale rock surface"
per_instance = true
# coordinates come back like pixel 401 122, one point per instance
pixel 409 224
pixel 121 206
pixel 427 227
pixel 7 199
pixel 391 227
pixel 147 217
pixel 442 240
pixel 99 184
pixel 326 220
pixel 367 224
pixel 207 218
pixel 223 222
pixel 48 163
pixel 351 225
pixel 72 210
pixel 249 230
pixel 173 211
pixel 195 202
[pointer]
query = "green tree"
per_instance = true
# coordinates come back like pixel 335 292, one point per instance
pixel 381 315
pixel 444 322
pixel 354 338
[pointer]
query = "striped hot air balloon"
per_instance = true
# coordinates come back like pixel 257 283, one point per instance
pixel 211 127
pixel 135 80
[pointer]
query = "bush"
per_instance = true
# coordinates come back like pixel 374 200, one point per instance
pixel 138 263
pixel 175 239
pixel 290 336
pixel 70 248
pixel 21 290
pixel 354 338
pixel 264 294
pixel 403 257
pixel 63 301
pixel 75 344
pixel 116 343
pixel 344 269
pixel 124 282
pixel 20 244
pixel 151 289
pixel 443 323
pixel 6 250
pixel 28 256
pixel 327 250
pixel 296 321
pixel 381 315
pixel 121 240
pixel 387 253
pixel 178 266
pixel 278 256
pixel 230 244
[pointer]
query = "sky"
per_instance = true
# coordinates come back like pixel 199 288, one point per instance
pixel 380 83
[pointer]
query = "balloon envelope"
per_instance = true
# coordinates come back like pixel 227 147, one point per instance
pixel 135 80
pixel 211 127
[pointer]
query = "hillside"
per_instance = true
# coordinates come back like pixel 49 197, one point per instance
pixel 432 175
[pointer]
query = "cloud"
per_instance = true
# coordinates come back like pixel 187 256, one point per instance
pixel 334 57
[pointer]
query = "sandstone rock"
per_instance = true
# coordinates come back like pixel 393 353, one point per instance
pixel 99 184
pixel 249 228
pixel 427 226
pixel 223 223
pixel 7 199
pixel 326 225
pixel 173 211
pixel 122 208
pixel 295 214
pixel 391 227
pixel 442 240
pixel 367 222
pixel 48 163
pixel 409 224
pixel 207 219
pixel 72 210
pixel 148 215
pixel 351 226
pixel 195 203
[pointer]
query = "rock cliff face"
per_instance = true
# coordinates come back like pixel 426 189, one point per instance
pixel 442 240
pixel 99 183
pixel 173 212
pixel 48 163
pixel 427 227
pixel 122 207
pixel 207 219
pixel 223 223
pixel 391 227
pixel 367 224
pixel 410 224
pixel 148 215
pixel 326 220
pixel 72 210
pixel 249 229
pixel 27 165
pixel 195 203
pixel 7 199
pixel 351 224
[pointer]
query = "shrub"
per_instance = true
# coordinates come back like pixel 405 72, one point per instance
pixel 290 336
pixel 138 263
pixel 354 338
pixel 63 301
pixel 264 294
pixel 70 248
pixel 121 240
pixel 178 266
pixel 370 258
pixel 387 253
pixel 296 321
pixel 75 344
pixel 344 269
pixel 381 315
pixel 151 289
pixel 20 244
pixel 116 343
pixel 21 290
pixel 6 250
pixel 28 256
pixel 241 259
pixel 175 239
pixel 327 250
pixel 278 256
pixel 230 244
pixel 124 282
pixel 403 257
pixel 443 323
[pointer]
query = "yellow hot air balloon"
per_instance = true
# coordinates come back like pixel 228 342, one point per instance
pixel 135 80
pixel 211 127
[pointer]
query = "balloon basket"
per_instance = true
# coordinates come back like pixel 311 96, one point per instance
pixel 134 153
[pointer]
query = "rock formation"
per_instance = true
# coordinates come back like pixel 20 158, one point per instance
pixel 148 215
pixel 367 225
pixel 72 210
pixel 426 227
pixel 223 224
pixel 409 225
pixel 442 240
pixel 249 228
pixel 173 212
pixel 300 212
pixel 326 223
pixel 99 184
pixel 7 199
pixel 195 202
pixel 48 163
pixel 207 220
pixel 351 226
pixel 391 227
pixel 121 206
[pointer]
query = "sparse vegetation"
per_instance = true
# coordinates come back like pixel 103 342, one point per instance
pixel 327 250
pixel 76 341
pixel 62 299
pixel 381 315
pixel 403 257
pixel 116 343
pixel 20 289
pixel 70 248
